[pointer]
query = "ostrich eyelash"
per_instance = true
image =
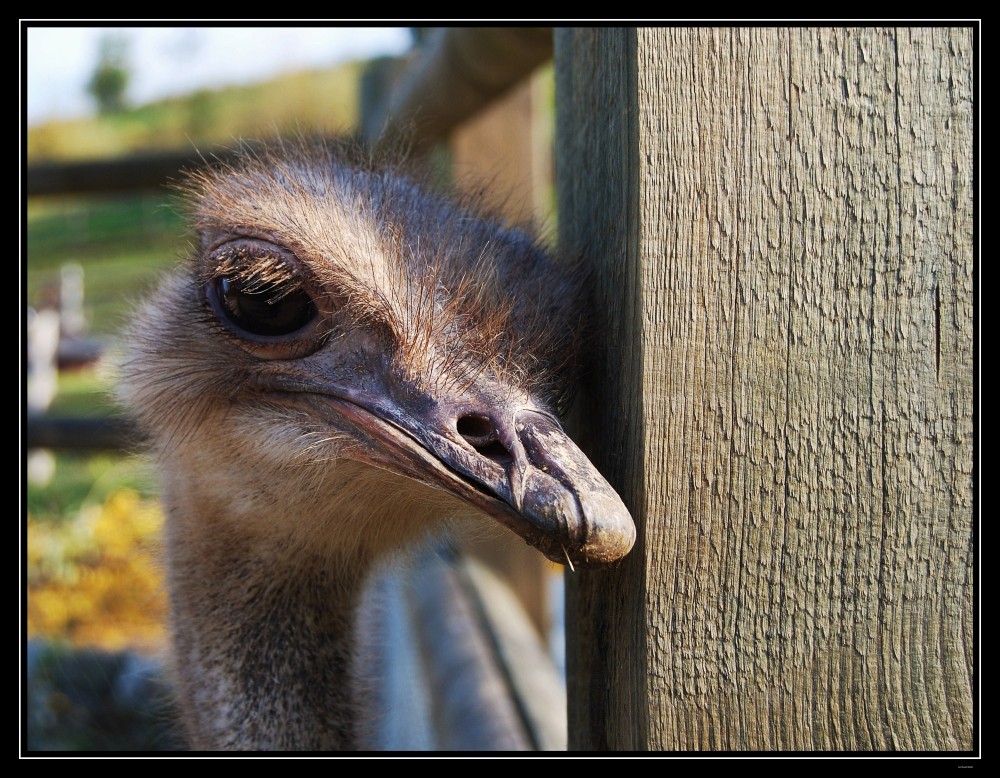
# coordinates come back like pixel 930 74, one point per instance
pixel 255 272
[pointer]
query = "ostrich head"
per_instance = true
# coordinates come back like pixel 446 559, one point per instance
pixel 341 339
pixel 344 362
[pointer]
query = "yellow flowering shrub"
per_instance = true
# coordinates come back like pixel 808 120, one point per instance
pixel 95 579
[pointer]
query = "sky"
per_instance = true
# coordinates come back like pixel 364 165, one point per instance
pixel 169 61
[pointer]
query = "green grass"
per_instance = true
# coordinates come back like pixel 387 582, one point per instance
pixel 64 226
pixel 86 479
pixel 314 100
pixel 82 393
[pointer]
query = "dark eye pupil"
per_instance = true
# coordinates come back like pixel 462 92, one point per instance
pixel 264 310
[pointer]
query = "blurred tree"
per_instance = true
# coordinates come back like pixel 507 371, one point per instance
pixel 110 80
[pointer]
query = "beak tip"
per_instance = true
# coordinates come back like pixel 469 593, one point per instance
pixel 599 531
pixel 608 528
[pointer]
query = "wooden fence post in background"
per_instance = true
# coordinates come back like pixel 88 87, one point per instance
pixel 781 221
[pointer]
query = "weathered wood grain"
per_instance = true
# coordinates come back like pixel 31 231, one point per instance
pixel 782 224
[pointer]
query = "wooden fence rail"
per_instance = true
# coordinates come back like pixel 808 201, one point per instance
pixel 137 172
pixel 80 434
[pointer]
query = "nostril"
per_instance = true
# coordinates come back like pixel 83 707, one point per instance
pixel 481 434
pixel 476 428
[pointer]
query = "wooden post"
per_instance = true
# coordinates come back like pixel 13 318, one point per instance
pixel 458 71
pixel 781 222
pixel 497 154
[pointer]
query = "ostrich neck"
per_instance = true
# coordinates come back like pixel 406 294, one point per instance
pixel 264 638
pixel 266 571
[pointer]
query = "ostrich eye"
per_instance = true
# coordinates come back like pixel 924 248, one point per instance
pixel 268 310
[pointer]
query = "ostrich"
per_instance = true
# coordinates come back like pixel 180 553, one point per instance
pixel 345 363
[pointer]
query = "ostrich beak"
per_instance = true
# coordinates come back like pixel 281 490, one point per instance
pixel 514 463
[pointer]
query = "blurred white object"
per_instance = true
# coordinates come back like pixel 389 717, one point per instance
pixel 74 325
pixel 43 381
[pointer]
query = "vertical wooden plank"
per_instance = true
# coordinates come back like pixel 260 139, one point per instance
pixel 597 182
pixel 844 238
pixel 787 279
pixel 930 460
pixel 495 154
